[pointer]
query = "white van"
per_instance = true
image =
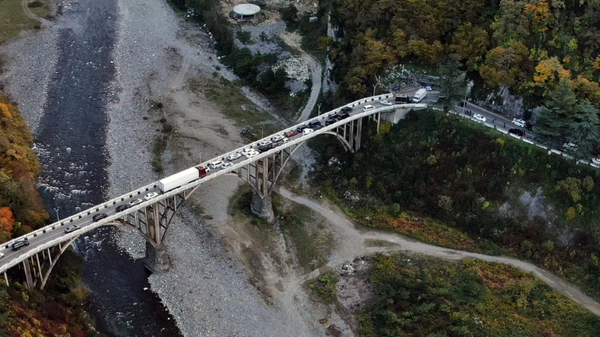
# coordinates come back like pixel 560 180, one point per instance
pixel 215 164
pixel 419 95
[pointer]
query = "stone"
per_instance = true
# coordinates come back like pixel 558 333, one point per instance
pixel 263 207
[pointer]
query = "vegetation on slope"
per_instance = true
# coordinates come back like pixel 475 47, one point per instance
pixel 418 296
pixel 473 182
pixel 21 208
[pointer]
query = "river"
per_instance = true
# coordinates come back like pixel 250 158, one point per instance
pixel 70 142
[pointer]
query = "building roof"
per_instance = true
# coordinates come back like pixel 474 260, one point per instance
pixel 246 9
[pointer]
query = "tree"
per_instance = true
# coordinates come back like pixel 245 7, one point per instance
pixel 504 65
pixel 7 220
pixel 470 44
pixel 584 130
pixel 452 85
pixel 557 113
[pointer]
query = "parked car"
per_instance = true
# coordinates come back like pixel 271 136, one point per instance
pixel 135 202
pixel 215 164
pixel 234 156
pixel 249 155
pixel 346 109
pixel 307 131
pixel 301 128
pixel 99 216
pixel 570 146
pixel 519 122
pixel 479 118
pixel 313 124
pixel 596 161
pixel 20 244
pixel 428 88
pixel 1 255
pixel 150 195
pixel 121 208
pixel 367 108
pixel 385 102
pixel 71 228
pixel 291 134
pixel 517 132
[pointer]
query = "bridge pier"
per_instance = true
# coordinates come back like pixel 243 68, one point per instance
pixel 263 207
pixel 157 259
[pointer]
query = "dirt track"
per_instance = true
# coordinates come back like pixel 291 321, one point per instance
pixel 354 245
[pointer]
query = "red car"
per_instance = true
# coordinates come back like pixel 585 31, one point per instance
pixel 291 133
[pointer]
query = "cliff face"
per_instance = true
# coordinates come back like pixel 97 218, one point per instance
pixel 21 208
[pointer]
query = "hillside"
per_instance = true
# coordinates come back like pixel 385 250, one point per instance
pixel 456 184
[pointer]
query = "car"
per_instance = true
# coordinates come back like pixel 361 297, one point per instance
pixel 343 115
pixel 428 88
pixel 265 148
pixel 20 244
pixel 251 153
pixel 479 118
pixel 519 122
pixel 215 164
pixel 99 216
pixel 264 142
pixel 135 202
pixel 1 255
pixel 234 156
pixel 330 121
pixel 301 128
pixel 367 108
pixel 570 146
pixel 596 161
pixel 317 127
pixel 307 131
pixel 71 228
pixel 517 132
pixel 276 138
pixel 346 109
pixel 121 208
pixel 385 102
pixel 291 134
pixel 150 195
pixel 225 165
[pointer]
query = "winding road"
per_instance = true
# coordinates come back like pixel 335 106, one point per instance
pixel 357 241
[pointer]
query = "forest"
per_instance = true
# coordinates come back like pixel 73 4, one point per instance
pixel 527 46
pixel 440 179
pixel 418 296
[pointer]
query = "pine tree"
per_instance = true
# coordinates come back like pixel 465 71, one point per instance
pixel 557 113
pixel 452 86
pixel 584 130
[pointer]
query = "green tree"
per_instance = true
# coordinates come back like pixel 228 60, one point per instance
pixel 584 130
pixel 557 113
pixel 452 85
pixel 470 44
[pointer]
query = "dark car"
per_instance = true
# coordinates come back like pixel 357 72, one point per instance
pixel 121 208
pixel 528 126
pixel 312 124
pixel 99 216
pixel 346 109
pixel 20 244
pixel 517 132
pixel 331 121
pixel 343 115
pixel 264 148
pixel 301 128
pixel 318 126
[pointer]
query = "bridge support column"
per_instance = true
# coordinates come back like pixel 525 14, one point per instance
pixel 157 259
pixel 263 207
pixel 29 282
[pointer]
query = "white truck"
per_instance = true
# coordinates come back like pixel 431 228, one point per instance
pixel 419 95
pixel 181 178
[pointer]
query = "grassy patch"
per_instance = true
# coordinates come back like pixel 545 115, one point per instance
pixel 466 298
pixel 158 148
pixel 235 105
pixel 324 286
pixel 13 19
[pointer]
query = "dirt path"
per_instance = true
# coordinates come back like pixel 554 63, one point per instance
pixel 316 72
pixel 32 15
pixel 355 244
